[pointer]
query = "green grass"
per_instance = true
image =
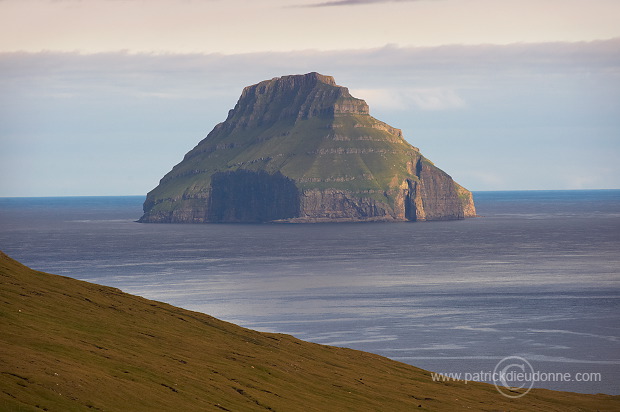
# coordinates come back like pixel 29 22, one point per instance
pixel 68 345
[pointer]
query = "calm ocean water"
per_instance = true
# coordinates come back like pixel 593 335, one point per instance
pixel 538 276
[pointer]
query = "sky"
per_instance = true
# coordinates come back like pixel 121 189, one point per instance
pixel 103 97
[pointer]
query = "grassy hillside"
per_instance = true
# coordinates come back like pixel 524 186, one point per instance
pixel 68 345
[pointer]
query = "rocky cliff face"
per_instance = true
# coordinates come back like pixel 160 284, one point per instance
pixel 302 149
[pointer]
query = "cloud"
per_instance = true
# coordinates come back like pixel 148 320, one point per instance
pixel 435 99
pixel 494 117
pixel 539 79
pixel 427 78
pixel 405 98
pixel 354 2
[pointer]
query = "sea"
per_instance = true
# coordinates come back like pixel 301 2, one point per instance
pixel 535 279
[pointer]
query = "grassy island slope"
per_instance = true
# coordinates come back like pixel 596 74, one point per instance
pixel 71 345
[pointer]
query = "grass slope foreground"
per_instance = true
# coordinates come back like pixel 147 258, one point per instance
pixel 68 345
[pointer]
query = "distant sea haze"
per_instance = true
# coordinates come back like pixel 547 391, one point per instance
pixel 537 276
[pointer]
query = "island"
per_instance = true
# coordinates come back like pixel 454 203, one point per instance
pixel 300 148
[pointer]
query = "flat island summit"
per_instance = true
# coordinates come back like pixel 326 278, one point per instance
pixel 300 148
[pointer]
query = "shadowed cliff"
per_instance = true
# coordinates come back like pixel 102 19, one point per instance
pixel 301 149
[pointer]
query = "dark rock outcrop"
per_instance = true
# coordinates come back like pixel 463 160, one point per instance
pixel 302 149
pixel 247 196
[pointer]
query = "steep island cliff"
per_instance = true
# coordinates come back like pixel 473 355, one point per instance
pixel 301 149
